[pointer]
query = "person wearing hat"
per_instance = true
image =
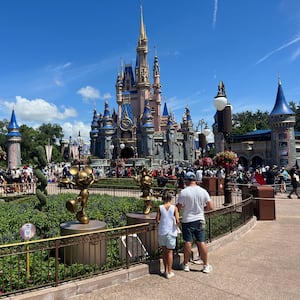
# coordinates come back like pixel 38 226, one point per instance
pixel 194 200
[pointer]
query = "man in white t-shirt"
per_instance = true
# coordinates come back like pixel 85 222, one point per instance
pixel 194 200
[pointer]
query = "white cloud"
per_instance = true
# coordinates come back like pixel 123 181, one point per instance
pixel 59 68
pixel 215 14
pixel 107 96
pixel 89 92
pixel 296 54
pixel 59 82
pixel 39 110
pixel 72 129
pixel 293 41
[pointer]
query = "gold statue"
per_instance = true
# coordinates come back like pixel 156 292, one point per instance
pixel 145 181
pixel 83 179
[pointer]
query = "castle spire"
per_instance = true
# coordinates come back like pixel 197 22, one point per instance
pixel 281 107
pixel 143 35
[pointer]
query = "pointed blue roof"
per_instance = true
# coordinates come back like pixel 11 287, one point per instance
pixel 13 127
pixel 13 122
pixel 128 72
pixel 188 114
pixel 147 115
pixel 165 111
pixel 170 121
pixel 106 110
pixel 147 109
pixel 281 107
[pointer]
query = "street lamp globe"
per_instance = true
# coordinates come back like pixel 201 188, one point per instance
pixel 122 146
pixel 220 102
pixel 206 130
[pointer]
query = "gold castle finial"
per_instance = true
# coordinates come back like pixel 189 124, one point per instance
pixel 142 26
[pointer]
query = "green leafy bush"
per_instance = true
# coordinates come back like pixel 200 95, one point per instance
pixel 14 214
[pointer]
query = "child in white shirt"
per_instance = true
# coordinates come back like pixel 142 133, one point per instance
pixel 168 218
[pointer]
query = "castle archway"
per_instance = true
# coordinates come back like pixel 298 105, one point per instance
pixel 127 152
pixel 243 161
pixel 257 161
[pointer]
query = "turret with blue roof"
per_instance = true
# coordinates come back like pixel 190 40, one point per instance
pixel 281 107
pixel 282 121
pixel 13 127
pixel 13 143
pixel 147 116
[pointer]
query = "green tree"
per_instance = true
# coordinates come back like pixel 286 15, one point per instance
pixel 248 121
pixel 50 133
pixel 3 132
pixel 28 143
pixel 296 109
pixel 32 138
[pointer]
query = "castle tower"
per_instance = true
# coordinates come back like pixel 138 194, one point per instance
pixel 156 102
pixel 171 140
pixel 13 143
pixel 106 133
pixel 282 121
pixel 147 132
pixel 188 134
pixel 94 132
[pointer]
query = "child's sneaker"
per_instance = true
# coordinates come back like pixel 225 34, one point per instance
pixel 185 267
pixel 170 275
pixel 207 269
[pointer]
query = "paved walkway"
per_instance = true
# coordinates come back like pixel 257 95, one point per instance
pixel 263 264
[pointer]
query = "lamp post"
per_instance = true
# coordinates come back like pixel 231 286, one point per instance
pixel 202 135
pixel 80 142
pixel 122 146
pixel 224 127
pixel 111 148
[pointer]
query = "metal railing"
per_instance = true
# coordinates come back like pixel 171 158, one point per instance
pixel 50 262
pixel 224 220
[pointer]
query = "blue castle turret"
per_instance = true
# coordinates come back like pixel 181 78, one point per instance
pixel 282 121
pixel 13 143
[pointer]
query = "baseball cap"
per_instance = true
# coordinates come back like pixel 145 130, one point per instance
pixel 190 176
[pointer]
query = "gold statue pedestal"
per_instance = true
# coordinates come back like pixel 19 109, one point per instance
pixel 149 238
pixel 85 250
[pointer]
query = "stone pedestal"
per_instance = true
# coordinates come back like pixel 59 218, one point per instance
pixel 149 239
pixel 91 250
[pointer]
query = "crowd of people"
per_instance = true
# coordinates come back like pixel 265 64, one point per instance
pixel 278 177
pixel 20 179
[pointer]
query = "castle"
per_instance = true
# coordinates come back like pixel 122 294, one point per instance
pixel 140 128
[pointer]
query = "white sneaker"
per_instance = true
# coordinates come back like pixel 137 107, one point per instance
pixel 207 269
pixel 197 261
pixel 170 275
pixel 185 267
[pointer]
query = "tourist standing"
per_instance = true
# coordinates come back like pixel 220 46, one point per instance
pixel 194 200
pixel 294 182
pixel 168 218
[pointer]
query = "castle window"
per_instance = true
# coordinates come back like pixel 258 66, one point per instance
pixel 282 136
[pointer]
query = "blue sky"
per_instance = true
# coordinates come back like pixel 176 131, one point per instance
pixel 59 58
